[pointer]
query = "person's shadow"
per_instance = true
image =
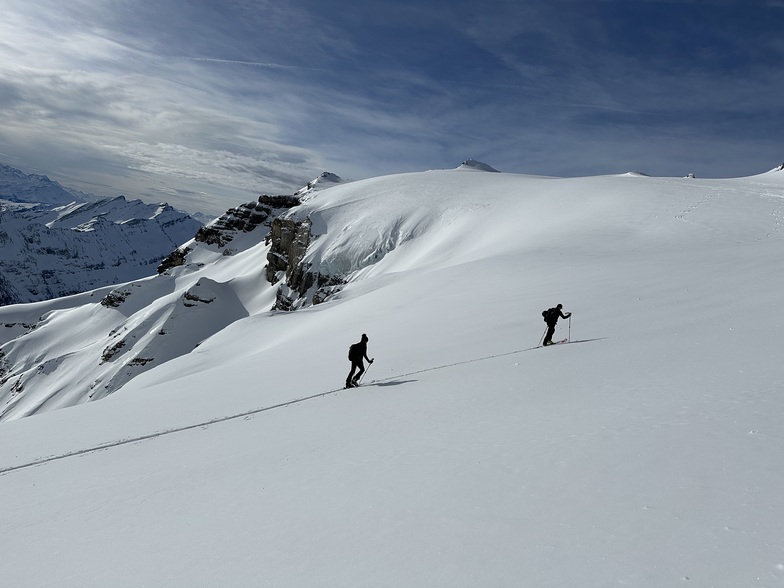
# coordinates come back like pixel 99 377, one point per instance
pixel 392 383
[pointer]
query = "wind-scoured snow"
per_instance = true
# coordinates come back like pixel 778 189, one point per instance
pixel 225 452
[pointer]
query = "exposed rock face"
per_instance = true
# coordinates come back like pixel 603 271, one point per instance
pixel 289 240
pixel 175 258
pixel 222 230
pixel 115 298
pixel 246 217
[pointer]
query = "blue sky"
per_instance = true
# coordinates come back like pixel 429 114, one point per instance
pixel 206 104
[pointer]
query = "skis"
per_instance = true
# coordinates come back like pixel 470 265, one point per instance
pixel 556 342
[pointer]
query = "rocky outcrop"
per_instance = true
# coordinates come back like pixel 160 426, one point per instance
pixel 244 218
pixel 289 238
pixel 299 283
pixel 289 241
pixel 115 298
pixel 175 259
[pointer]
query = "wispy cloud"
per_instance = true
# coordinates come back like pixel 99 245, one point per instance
pixel 213 60
pixel 209 102
pixel 148 113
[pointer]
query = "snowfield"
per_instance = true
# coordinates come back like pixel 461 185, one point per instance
pixel 646 452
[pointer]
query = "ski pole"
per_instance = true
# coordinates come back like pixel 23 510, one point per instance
pixel 366 371
pixel 542 337
pixel 570 327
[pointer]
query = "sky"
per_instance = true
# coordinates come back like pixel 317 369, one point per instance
pixel 206 104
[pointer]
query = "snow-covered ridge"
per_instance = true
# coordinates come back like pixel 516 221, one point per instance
pixel 325 180
pixel 474 165
pixel 116 210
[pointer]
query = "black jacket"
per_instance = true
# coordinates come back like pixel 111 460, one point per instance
pixel 553 314
pixel 358 351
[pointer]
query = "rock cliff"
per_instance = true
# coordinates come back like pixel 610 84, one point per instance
pixel 287 236
pixel 299 285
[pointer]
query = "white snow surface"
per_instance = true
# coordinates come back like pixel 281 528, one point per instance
pixel 646 452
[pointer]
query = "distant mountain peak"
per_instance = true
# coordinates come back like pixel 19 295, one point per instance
pixel 17 186
pixel 473 164
pixel 323 181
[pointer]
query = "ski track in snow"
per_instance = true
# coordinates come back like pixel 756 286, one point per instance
pixel 255 411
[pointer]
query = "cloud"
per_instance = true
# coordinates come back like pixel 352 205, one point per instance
pixel 255 64
pixel 149 115
pixel 212 102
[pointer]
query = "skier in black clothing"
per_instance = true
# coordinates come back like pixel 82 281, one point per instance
pixel 356 353
pixel 551 316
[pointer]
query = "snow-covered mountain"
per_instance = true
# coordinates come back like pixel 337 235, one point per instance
pixel 224 450
pixel 17 186
pixel 476 165
pixel 56 241
pixel 47 252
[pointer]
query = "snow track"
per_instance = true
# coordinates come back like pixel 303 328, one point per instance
pixel 248 413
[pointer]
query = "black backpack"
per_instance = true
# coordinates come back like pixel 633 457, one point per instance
pixel 547 314
pixel 354 353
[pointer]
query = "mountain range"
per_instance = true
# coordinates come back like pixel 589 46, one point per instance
pixel 55 242
pixel 18 186
pixel 191 428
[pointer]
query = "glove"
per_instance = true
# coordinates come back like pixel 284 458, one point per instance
pixel 370 360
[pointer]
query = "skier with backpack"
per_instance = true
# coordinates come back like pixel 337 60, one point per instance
pixel 356 353
pixel 551 316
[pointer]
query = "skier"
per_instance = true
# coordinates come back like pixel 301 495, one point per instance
pixel 551 316
pixel 356 353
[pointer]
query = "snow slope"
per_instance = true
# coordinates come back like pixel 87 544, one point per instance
pixel 646 452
